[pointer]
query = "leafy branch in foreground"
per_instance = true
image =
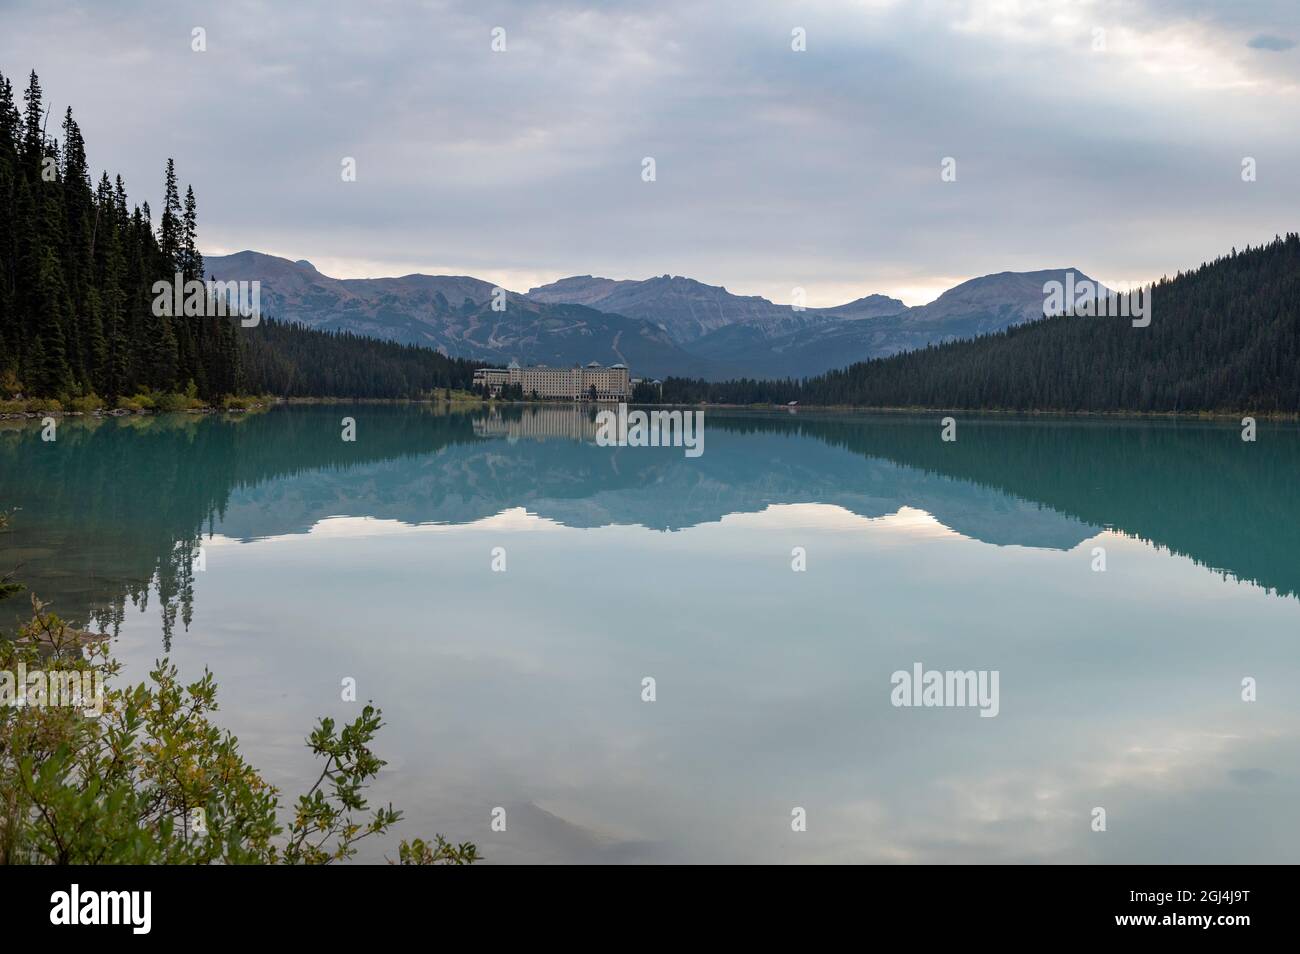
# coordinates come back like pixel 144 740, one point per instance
pixel 153 780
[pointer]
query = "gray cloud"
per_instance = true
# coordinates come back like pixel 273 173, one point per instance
pixel 775 168
pixel 1265 41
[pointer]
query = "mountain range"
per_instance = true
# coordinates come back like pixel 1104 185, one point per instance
pixel 690 310
pixel 660 326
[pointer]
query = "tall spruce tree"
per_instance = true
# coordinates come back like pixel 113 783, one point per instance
pixel 77 270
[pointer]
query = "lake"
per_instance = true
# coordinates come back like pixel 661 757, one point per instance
pixel 503 587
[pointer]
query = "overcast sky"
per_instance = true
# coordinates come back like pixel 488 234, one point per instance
pixel 774 168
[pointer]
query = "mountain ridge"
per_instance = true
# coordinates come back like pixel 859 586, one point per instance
pixel 659 326
pixel 454 314
pixel 979 306
pixel 1222 338
pixel 689 309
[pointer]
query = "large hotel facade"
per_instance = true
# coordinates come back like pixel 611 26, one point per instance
pixel 611 384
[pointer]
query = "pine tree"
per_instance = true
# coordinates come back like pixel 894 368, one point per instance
pixel 169 224
pixel 191 258
pixel 9 141
pixel 33 148
pixel 109 270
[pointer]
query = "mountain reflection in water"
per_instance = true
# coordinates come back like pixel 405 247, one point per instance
pixel 118 506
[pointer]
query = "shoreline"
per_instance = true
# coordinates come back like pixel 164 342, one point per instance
pixel 124 412
pixel 845 409
pixel 838 409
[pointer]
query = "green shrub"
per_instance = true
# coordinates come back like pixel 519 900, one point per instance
pixel 88 403
pixel 171 402
pixel 137 402
pixel 146 776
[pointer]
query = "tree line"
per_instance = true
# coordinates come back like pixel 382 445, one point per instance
pixel 1223 337
pixel 78 265
pixel 291 360
pixel 77 268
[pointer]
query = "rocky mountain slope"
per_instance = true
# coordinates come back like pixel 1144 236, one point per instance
pixel 659 326
pixel 454 314
pixel 689 310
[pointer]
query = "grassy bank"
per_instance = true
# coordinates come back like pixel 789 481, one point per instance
pixel 142 403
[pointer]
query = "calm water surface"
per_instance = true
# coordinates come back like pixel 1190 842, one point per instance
pixel 522 689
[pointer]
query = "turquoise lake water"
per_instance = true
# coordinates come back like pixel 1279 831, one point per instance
pixel 321 560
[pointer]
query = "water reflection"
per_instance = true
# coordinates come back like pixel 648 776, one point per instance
pixel 522 689
pixel 119 506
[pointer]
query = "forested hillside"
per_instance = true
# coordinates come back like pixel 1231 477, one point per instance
pixel 288 360
pixel 76 269
pixel 1224 337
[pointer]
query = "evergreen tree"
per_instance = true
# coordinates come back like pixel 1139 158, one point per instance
pixel 1224 337
pixel 33 144
pixel 169 224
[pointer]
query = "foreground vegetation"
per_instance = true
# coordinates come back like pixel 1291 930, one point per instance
pixel 154 780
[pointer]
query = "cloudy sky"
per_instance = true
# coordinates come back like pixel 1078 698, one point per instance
pixel 1106 135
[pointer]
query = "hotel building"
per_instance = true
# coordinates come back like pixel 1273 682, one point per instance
pixel 611 384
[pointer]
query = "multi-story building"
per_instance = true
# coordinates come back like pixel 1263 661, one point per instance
pixel 611 384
